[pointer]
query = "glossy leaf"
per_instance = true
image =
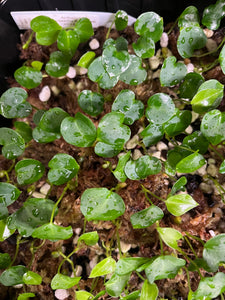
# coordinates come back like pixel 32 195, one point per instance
pixel 188 17
pixel 58 64
pixel 190 85
pixel 178 205
pixel 51 120
pixel 132 296
pixel 83 28
pixel 25 296
pixel 116 284
pixel 13 275
pixel 29 171
pixel 43 136
pixel 32 278
pixel 208 97
pixel 28 77
pixel 121 43
pixel 86 59
pixel 13 103
pixel 5 232
pixel 213 14
pixel 52 232
pixel 89 238
pixel 222 167
pixel 197 142
pixel 63 168
pixel 104 267
pixel 172 72
pixel 146 217
pixel 5 260
pixel 164 267
pixel 190 39
pixel 173 157
pixel 142 167
pixel 38 115
pixel 121 19
pixel 83 295
pixel 126 103
pixel 78 131
pixel 129 264
pixel 178 185
pixel 214 251
pixel 13 143
pixel 149 291
pixel 213 126
pixel 190 163
pixel 24 130
pixel 91 103
pixel 144 47
pixel 68 41
pixel 119 170
pixel 170 236
pixel 178 122
pixel 37 65
pixel 8 193
pixel 101 204
pixel 60 281
pixel 151 24
pixel 152 134
pixel 46 30
pixel 160 108
pixel 222 59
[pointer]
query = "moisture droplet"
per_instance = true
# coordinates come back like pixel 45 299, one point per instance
pixel 183 40
pixel 113 67
pixel 190 41
pixel 35 212
pixel 133 82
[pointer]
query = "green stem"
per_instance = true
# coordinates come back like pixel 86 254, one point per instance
pixel 172 27
pixel 18 239
pixel 188 278
pixel 108 32
pixel 217 152
pixel 139 275
pixel 35 107
pixel 66 258
pixel 195 238
pixel 26 45
pixel 222 297
pixel 209 67
pixel 211 52
pixel 57 203
pixel 85 222
pixel 118 239
pixel 152 194
pixel 192 249
pixel 12 165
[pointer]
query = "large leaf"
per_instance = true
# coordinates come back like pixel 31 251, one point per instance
pixel 90 102
pixel 129 264
pixel 178 122
pixel 68 41
pixel 28 77
pixel 32 278
pixel 104 267
pixel 83 28
pixel 52 232
pixel 60 281
pixel 146 217
pixel 58 64
pixel 178 205
pixel 13 143
pixel 213 14
pixel 197 142
pixel 190 163
pixel 13 275
pixel 29 171
pixel 116 284
pixel 121 19
pixel 89 238
pixel 8 193
pixel 188 17
pixel 190 85
pixel 149 291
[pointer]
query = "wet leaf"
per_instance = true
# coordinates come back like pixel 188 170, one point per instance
pixel 68 41
pixel 132 296
pixel 29 171
pixel 5 260
pixel 146 217
pixel 149 291
pixel 24 130
pixel 32 278
pixel 8 193
pixel 190 85
pixel 119 171
pixel 91 103
pixel 178 122
pixel 101 204
pixel 89 238
pixel 152 134
pixel 213 14
pixel 5 232
pixel 104 267
pixel 13 143
pixel 58 64
pixel 83 28
pixel 129 264
pixel 170 236
pixel 189 17
pixel 178 205
pixel 51 120
pixel 173 157
pixel 121 19
pixel 190 163
pixel 13 275
pixel 116 284
pixel 144 47
pixel 28 77
pixel 196 141
pixel 60 281
pixel 52 232
pixel 43 136
pixel 178 185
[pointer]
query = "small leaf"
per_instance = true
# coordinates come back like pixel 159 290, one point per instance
pixel 52 232
pixel 222 167
pixel 119 171
pixel 152 134
pixel 144 47
pixel 178 122
pixel 5 260
pixel 13 275
pixel 29 171
pixel 89 238
pixel 25 296
pixel 172 72
pixel 83 295
pixel 170 236
pixel 101 204
pixel 28 77
pixel 24 130
pixel 146 217
pixel 32 278
pixel 86 59
pixel 60 281
pixel 68 41
pixel 37 65
pixel 197 142
pixel 104 267
pixel 132 296
pixel 5 232
pixel 190 85
pixel 190 163
pixel 213 14
pixel 116 284
pixel 178 205
pixel 13 103
pixel 121 19
pixel 129 264
pixel 149 291
pixel 188 17
pixel 13 143
pixel 164 267
pixel 58 65
pixel 83 28
pixel 63 168
pixel 78 131
pixel 178 185
pixel 91 103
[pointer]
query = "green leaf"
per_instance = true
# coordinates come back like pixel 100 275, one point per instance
pixel 13 103
pixel 178 205
pixel 13 275
pixel 132 296
pixel 149 291
pixel 208 97
pixel 5 260
pixel 135 73
pixel 213 14
pixel 151 24
pixel 170 236
pixel 32 278
pixel 52 232
pixel 222 167
pixel 63 168
pixel 121 44
pixel 68 41
pixel 190 163
pixel 119 171
pixel 25 296
pixel 129 264
pixel 190 39
pixel 144 47
pixel 172 72
pixel 37 65
pixel 116 284
pixel 51 120
pixel 178 185
pixel 89 238
pixel 33 213
pixel 58 64
pixel 196 141
pixel 60 281
pixel 29 171
pixel 178 122
pixel 78 131
pixel 8 193
pixel 101 204
pixel 91 103
pixel 126 103
pixel 173 157
pixel 214 251
pixel 146 217
pixel 213 126
pixel 210 287
pixel 86 59
pixel 104 267
pixel 43 136
pixel 24 130
pixel 5 232
pixel 152 134
pixel 28 77
pixel 160 108
pixel 121 19
pixel 222 59
pixel 13 143
pixel 46 30
pixel 164 267
pixel 190 85
pixel 189 17
pixel 83 28
pixel 142 167
pixel 83 295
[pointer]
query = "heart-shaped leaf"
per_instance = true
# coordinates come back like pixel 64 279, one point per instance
pixel 144 47
pixel 178 122
pixel 32 278
pixel 43 136
pixel 190 85
pixel 188 17
pixel 60 281
pixel 197 142
pixel 13 143
pixel 121 19
pixel 213 126
pixel 52 232
pixel 172 72
pixel 149 291
pixel 178 205
pixel 208 97
pixel 68 41
pixel 29 171
pixel 173 157
pixel 63 168
pixel 83 28
pixel 104 267
pixel 13 275
pixel 146 217
pixel 58 65
pixel 213 14
pixel 13 103
pixel 190 163
pixel 170 236
pixel 119 170
pixel 28 77
pixel 115 286
pixel 152 134
pixel 164 267
pixel 78 131
pixel 24 130
pixel 126 103
pixel 89 238
pixel 101 204
pixel 91 103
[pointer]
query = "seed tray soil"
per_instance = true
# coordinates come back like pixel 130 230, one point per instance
pixel 202 221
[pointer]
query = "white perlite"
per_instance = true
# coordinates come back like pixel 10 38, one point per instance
pixel 132 143
pixel 154 62
pixel 190 68
pixel 161 146
pixel 208 32
pixel 61 294
pixel 164 40
pixel 94 44
pixel 212 170
pixel 45 94
pixel 44 189
pixel 124 247
pixel 71 72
